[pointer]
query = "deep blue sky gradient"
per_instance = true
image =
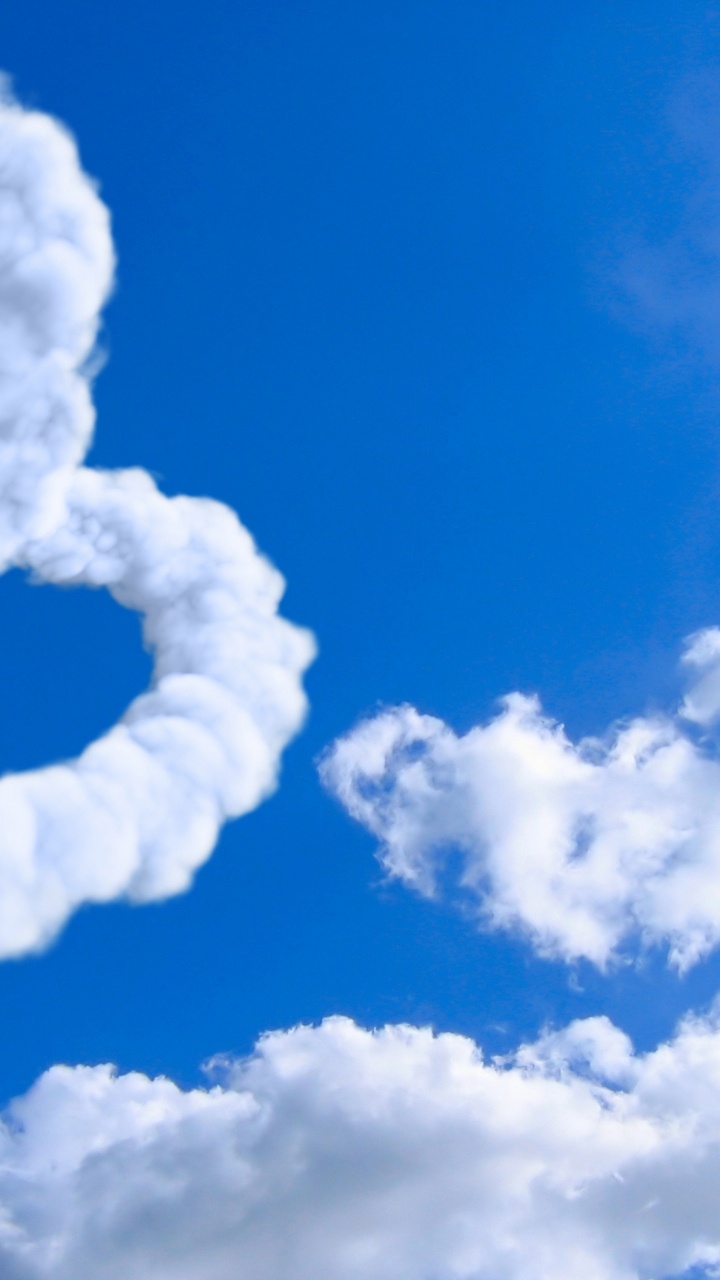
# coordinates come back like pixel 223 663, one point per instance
pixel 371 295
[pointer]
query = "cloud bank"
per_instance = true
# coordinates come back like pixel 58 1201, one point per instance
pixel 141 808
pixel 582 847
pixel 389 1155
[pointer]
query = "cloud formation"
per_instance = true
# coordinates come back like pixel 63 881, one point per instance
pixel 141 808
pixel 389 1155
pixel 582 847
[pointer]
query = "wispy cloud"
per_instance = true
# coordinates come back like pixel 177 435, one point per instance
pixel 667 274
pixel 141 808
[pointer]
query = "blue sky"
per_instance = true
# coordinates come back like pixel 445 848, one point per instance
pixel 372 294
pixel 413 287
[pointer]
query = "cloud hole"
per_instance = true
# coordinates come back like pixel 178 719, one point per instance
pixel 70 660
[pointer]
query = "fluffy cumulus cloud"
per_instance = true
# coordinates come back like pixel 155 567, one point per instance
pixel 583 847
pixel 140 809
pixel 390 1155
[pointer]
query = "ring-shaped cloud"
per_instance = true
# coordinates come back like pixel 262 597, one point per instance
pixel 141 808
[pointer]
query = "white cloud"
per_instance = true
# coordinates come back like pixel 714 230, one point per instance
pixel 396 1155
pixel 581 847
pixel 141 808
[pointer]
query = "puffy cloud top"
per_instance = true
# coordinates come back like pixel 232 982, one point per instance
pixel 389 1155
